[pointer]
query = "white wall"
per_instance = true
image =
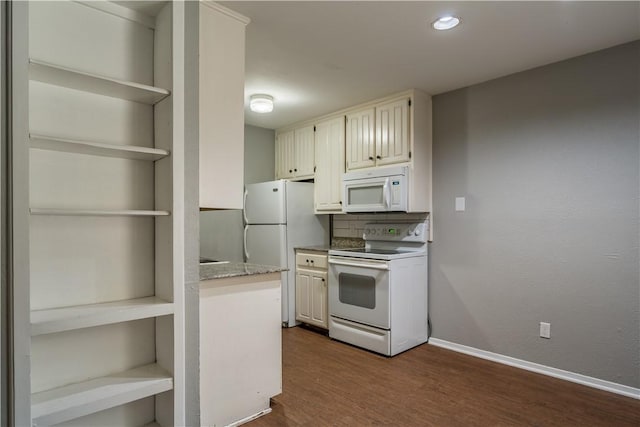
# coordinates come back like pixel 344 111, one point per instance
pixel 221 232
pixel 548 160
pixel 191 215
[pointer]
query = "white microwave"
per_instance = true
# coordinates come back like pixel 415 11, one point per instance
pixel 376 190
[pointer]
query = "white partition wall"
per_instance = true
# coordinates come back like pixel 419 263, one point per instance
pixel 96 145
pixel 4 377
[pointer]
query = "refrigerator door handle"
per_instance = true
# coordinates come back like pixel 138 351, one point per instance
pixel 244 210
pixel 246 253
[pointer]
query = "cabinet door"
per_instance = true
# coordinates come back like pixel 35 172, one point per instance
pixel 392 132
pixel 319 299
pixel 221 110
pixel 360 142
pixel 285 146
pixel 304 153
pixel 329 145
pixel 303 296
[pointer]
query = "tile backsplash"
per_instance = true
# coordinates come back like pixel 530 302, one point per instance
pixel 352 226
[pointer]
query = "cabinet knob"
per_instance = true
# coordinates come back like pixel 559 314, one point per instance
pixel 295 170
pixel 290 171
pixel 370 157
pixel 323 280
pixel 307 260
pixel 378 157
pixel 311 261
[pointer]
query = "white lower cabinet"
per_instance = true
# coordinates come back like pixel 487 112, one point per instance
pixel 311 289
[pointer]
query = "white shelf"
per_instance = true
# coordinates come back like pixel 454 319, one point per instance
pixel 85 316
pixel 132 152
pixel 94 83
pixel 80 399
pixel 95 212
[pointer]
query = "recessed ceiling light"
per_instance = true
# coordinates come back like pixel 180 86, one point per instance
pixel 445 23
pixel 261 103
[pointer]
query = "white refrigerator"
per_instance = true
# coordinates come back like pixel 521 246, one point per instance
pixel 278 217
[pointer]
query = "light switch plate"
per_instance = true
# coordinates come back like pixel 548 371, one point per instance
pixel 460 204
pixel 545 330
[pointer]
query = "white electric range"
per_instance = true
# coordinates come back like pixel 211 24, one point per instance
pixel 378 294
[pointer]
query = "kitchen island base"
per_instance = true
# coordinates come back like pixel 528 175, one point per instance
pixel 240 348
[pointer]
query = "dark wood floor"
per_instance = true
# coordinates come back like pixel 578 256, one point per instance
pixel 327 383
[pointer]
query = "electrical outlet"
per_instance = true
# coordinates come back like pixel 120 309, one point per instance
pixel 545 330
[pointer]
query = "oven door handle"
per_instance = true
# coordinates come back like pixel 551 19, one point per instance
pixel 359 264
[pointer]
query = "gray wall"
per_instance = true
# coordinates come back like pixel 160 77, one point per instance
pixel 548 160
pixel 221 232
pixel 259 154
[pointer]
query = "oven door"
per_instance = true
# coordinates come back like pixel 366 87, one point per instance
pixel 359 290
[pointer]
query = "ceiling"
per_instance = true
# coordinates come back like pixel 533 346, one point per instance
pixel 319 57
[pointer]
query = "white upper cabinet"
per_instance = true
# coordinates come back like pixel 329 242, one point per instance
pixel 330 145
pixel 295 154
pixel 379 135
pixel 285 152
pixel 392 132
pixel 304 153
pixel 222 47
pixel 360 139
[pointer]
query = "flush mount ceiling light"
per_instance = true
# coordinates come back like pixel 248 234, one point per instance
pixel 261 103
pixel 445 23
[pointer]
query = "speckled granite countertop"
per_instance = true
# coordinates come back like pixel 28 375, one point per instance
pixel 235 269
pixel 318 248
pixel 337 243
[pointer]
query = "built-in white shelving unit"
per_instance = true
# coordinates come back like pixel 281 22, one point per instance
pixel 97 190
pixel 79 399
pixel 96 212
pixel 94 83
pixel 132 152
pixel 84 316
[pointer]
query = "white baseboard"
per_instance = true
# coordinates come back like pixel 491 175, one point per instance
pixel 250 418
pixel 540 369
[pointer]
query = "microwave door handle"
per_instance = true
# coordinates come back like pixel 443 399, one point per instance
pixel 385 190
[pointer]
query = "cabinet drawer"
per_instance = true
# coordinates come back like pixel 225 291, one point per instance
pixel 305 259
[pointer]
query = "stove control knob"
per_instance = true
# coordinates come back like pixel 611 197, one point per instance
pixel 409 232
pixel 367 231
pixel 417 233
